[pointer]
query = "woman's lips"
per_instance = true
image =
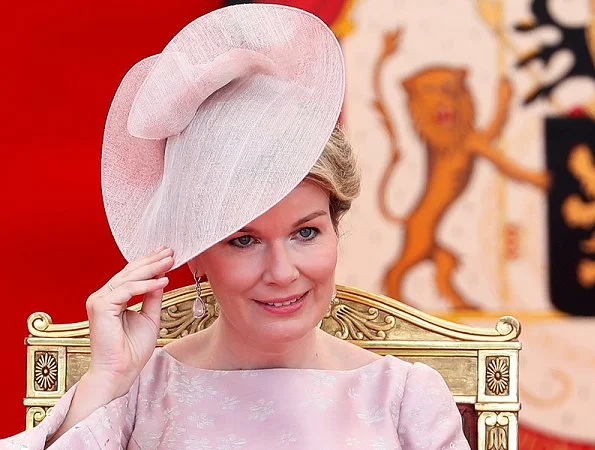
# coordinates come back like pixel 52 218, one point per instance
pixel 283 306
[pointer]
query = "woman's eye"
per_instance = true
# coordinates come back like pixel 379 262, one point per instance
pixel 308 233
pixel 242 241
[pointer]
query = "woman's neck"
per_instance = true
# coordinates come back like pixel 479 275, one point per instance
pixel 224 348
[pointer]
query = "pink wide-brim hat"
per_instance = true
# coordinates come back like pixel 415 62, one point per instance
pixel 208 135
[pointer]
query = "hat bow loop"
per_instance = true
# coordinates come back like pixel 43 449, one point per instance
pixel 180 87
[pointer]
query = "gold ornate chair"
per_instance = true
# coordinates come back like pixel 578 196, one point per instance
pixel 479 365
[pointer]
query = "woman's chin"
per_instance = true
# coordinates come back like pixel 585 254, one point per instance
pixel 276 333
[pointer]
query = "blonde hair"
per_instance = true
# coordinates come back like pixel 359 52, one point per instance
pixel 337 172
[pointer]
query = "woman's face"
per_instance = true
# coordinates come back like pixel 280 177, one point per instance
pixel 274 279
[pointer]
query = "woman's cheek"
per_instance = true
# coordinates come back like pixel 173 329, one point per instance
pixel 243 271
pixel 321 260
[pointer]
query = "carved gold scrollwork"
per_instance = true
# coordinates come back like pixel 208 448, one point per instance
pixel 45 371
pixel 36 414
pixel 356 324
pixel 357 315
pixel 39 321
pixel 177 320
pixel 497 375
pixel 497 432
pixel 509 326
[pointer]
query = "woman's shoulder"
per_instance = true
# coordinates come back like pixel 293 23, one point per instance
pixel 405 378
pixel 343 355
pixel 420 376
pixel 348 356
pixel 158 368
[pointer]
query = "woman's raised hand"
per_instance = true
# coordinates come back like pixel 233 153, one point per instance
pixel 122 341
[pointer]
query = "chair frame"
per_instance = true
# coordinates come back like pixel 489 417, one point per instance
pixel 480 365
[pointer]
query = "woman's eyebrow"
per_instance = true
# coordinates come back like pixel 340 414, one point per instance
pixel 309 217
pixel 295 225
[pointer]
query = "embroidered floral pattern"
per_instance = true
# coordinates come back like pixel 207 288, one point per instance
pixel 202 420
pixel 229 403
pixel 287 439
pixel 373 415
pixel 230 442
pixel 261 410
pixel 189 408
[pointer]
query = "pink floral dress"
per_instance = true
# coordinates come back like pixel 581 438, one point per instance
pixel 386 404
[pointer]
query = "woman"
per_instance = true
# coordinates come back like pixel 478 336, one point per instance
pixel 224 147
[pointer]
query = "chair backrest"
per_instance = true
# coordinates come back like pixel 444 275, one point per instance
pixel 479 365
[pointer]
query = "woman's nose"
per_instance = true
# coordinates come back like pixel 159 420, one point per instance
pixel 280 268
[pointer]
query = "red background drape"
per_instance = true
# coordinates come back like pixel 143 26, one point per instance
pixel 62 62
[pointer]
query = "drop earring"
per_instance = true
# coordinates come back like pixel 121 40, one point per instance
pixel 199 308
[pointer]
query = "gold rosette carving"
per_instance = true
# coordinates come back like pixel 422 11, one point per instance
pixel 497 375
pixel 45 371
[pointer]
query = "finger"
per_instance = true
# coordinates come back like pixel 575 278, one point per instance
pixel 124 275
pixel 119 297
pixel 148 259
pixel 148 271
pixel 152 305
